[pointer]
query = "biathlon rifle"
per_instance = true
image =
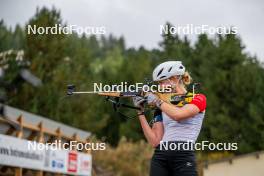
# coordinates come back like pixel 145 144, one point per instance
pixel 114 97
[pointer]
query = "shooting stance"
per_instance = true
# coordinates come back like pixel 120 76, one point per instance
pixel 174 123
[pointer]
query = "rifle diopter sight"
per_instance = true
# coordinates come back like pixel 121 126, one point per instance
pixel 70 89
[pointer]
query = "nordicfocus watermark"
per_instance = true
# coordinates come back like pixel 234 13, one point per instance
pixel 125 87
pixel 70 29
pixel 204 145
pixel 72 145
pixel 190 29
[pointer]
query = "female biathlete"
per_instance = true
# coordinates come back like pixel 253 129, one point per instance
pixel 172 124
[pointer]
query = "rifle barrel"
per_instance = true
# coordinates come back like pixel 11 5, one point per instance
pixel 111 94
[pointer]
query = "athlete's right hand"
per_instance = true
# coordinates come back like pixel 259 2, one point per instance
pixel 138 102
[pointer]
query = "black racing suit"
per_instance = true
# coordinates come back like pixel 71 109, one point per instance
pixel 173 163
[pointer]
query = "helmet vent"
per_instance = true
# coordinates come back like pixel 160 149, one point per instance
pixel 181 67
pixel 162 77
pixel 170 69
pixel 160 71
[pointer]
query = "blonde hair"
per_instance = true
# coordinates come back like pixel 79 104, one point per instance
pixel 186 78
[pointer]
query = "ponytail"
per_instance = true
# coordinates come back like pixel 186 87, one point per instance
pixel 186 78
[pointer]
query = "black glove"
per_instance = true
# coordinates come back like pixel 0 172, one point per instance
pixel 139 102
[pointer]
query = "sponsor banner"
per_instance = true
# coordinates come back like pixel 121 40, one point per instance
pixel 16 152
pixel 56 161
pixel 13 152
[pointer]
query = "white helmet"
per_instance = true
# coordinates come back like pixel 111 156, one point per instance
pixel 168 69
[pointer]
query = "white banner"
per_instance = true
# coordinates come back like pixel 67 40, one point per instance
pixel 16 152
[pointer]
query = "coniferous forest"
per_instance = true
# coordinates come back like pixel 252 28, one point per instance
pixel 232 80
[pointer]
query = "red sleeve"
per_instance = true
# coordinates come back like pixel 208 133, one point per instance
pixel 200 101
